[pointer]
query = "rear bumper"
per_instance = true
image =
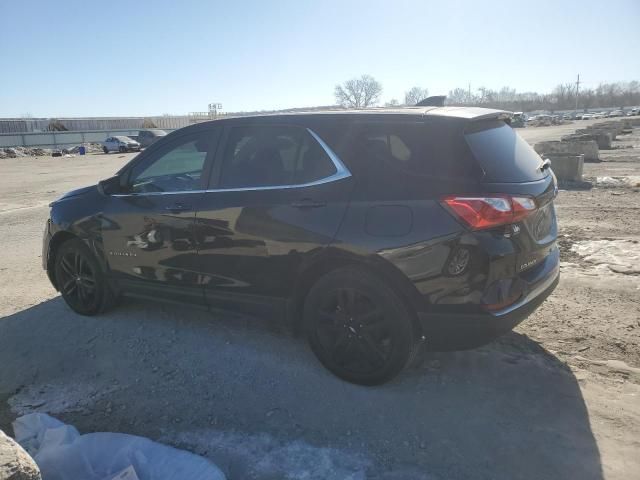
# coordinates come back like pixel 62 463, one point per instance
pixel 463 331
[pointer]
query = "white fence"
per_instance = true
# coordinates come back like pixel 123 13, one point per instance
pixel 61 139
pixel 38 125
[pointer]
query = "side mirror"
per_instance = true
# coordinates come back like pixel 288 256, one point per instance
pixel 110 185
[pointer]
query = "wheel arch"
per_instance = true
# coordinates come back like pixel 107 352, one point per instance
pixel 334 259
pixel 54 245
pixel 61 237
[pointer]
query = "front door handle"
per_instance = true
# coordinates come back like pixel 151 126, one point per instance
pixel 307 203
pixel 178 207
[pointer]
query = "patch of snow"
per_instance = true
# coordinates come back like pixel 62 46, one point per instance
pixel 618 181
pixel 262 456
pixel 617 256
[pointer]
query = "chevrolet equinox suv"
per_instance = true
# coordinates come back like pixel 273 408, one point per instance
pixel 373 232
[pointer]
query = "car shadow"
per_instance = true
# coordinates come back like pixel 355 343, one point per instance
pixel 505 411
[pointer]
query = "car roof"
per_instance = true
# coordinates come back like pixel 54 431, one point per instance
pixel 461 113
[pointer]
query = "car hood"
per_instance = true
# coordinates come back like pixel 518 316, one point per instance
pixel 76 193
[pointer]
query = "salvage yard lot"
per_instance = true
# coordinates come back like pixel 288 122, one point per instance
pixel 558 398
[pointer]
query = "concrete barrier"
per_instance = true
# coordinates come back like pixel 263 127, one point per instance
pixel 567 167
pixel 612 125
pixel 602 138
pixel 612 132
pixel 588 148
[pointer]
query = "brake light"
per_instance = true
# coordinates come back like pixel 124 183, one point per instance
pixel 491 211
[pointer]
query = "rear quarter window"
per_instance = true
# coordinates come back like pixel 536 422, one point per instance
pixel 430 149
pixel 502 154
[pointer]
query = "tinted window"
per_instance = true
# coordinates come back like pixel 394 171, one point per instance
pixel 433 149
pixel 502 153
pixel 174 170
pixel 273 156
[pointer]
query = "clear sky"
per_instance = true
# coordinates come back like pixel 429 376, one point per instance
pixel 113 57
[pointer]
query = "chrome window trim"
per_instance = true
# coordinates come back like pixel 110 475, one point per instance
pixel 341 172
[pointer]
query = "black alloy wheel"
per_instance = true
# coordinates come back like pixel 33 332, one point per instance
pixel 80 280
pixel 105 149
pixel 358 327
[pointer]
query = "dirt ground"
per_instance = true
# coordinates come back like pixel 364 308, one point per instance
pixel 557 398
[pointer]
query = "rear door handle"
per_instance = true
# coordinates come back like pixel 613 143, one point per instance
pixel 178 207
pixel 307 203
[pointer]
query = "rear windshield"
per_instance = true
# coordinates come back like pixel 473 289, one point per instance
pixel 502 154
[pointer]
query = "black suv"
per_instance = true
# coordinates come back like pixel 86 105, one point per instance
pixel 375 232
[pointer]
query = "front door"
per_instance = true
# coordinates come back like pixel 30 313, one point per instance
pixel 148 230
pixel 277 198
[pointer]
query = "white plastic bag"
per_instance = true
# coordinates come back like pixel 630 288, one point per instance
pixel 63 454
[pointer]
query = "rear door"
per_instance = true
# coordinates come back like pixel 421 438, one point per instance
pixel 511 166
pixel 276 199
pixel 148 230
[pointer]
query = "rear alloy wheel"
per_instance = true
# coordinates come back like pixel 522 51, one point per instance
pixel 105 149
pixel 358 327
pixel 80 279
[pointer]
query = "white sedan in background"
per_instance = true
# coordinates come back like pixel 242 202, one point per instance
pixel 120 144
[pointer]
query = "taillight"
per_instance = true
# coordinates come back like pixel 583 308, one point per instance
pixel 491 211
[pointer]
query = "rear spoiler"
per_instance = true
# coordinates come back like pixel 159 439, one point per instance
pixel 435 101
pixel 471 113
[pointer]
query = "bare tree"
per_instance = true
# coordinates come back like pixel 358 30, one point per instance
pixel 458 96
pixel 392 103
pixel 563 97
pixel 415 95
pixel 360 92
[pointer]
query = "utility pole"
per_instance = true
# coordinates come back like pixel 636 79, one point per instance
pixel 469 94
pixel 577 91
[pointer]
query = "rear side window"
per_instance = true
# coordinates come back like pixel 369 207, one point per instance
pixel 502 153
pixel 271 156
pixel 426 149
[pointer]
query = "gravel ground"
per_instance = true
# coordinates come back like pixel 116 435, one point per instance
pixel 557 398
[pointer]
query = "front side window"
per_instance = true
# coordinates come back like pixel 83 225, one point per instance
pixel 271 156
pixel 177 169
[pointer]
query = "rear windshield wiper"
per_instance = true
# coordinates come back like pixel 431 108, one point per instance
pixel 544 165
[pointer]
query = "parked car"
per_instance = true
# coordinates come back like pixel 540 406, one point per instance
pixel 120 144
pixel 587 116
pixel 600 115
pixel 616 113
pixel 376 233
pixel 148 137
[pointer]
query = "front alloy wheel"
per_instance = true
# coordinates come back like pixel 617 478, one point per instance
pixel 80 280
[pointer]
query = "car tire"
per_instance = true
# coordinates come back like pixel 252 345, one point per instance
pixel 122 149
pixel 105 149
pixel 80 279
pixel 358 327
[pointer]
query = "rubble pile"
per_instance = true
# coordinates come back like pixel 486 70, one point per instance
pixel 16 152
